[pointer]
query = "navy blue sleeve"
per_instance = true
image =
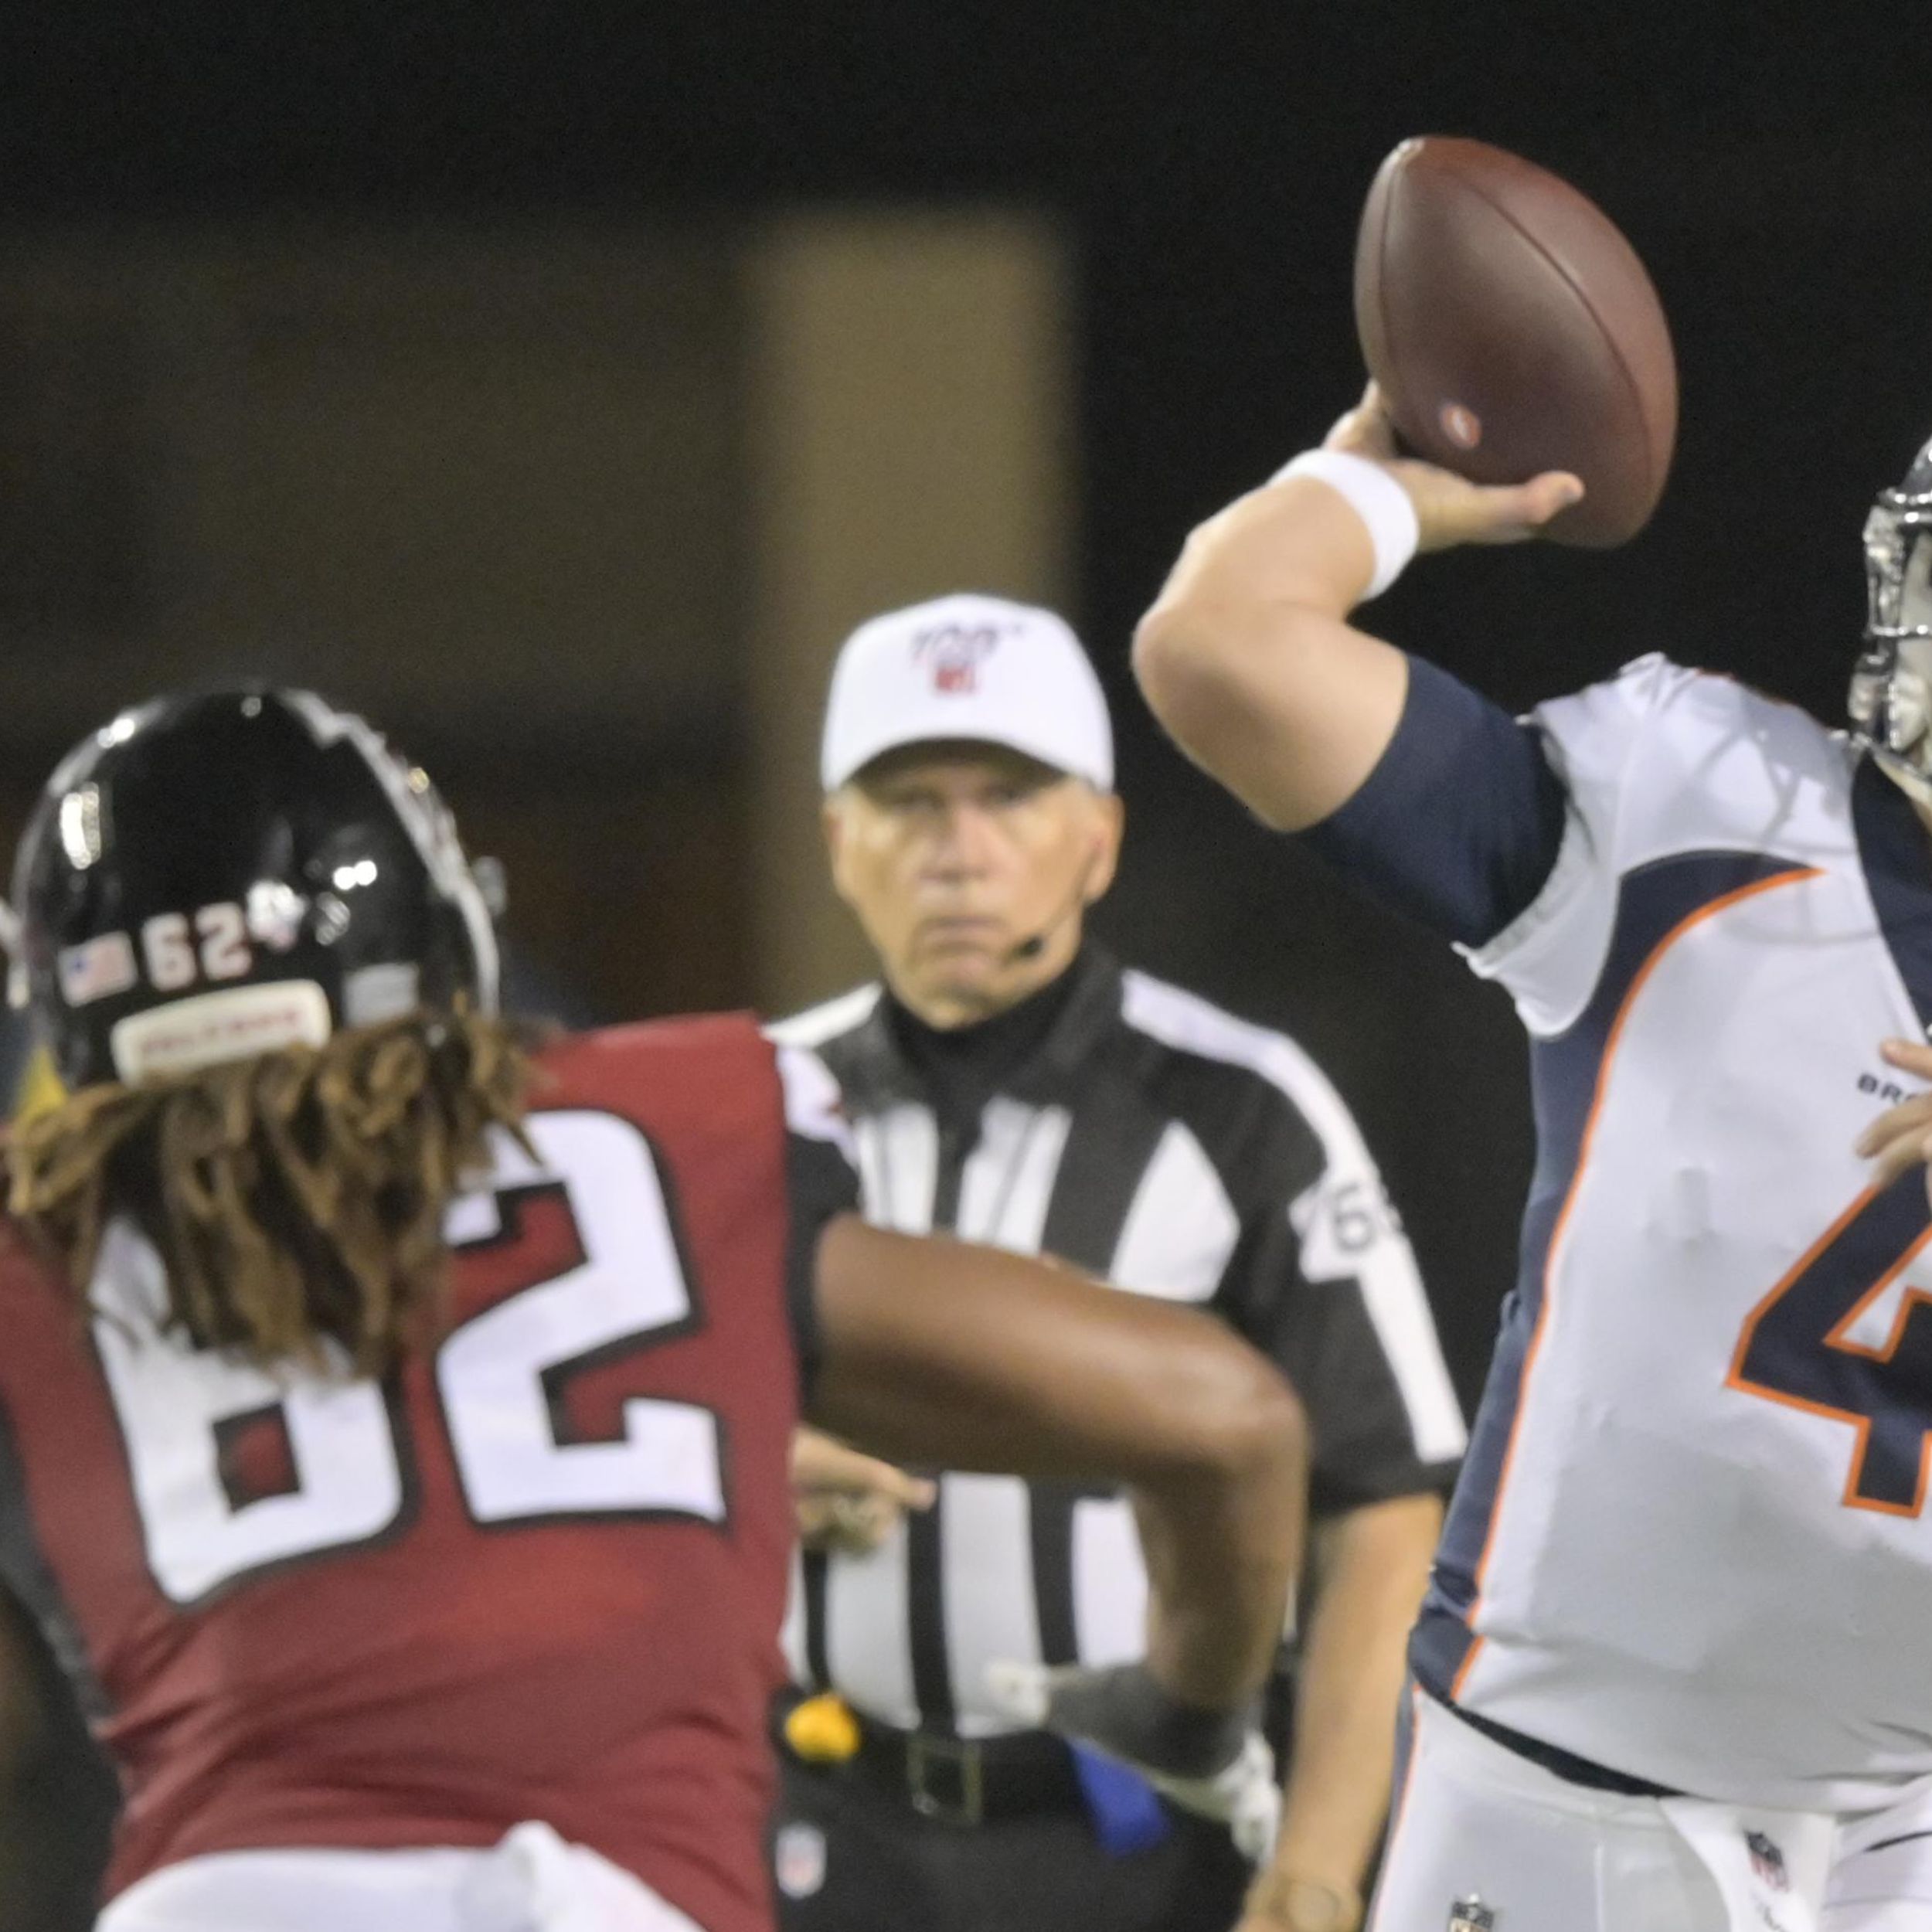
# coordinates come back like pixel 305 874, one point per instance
pixel 1459 822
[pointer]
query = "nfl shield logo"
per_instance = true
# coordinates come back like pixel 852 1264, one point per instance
pixel 1472 1915
pixel 1768 1861
pixel 798 1860
pixel 952 653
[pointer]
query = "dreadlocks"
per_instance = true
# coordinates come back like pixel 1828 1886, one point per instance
pixel 297 1198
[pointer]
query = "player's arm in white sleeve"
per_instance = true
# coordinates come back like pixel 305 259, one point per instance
pixel 1247 657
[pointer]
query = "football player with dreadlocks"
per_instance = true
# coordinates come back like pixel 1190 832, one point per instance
pixel 397 1406
pixel 1672 1666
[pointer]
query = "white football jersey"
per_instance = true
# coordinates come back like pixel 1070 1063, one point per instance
pixel 1690 1541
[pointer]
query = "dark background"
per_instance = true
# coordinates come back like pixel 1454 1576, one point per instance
pixel 1206 164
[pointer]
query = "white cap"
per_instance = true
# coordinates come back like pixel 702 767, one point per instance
pixel 975 668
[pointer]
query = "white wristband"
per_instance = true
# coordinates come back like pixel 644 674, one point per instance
pixel 1375 496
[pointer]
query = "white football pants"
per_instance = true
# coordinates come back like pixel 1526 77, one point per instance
pixel 1882 1868
pixel 531 1882
pixel 1477 1822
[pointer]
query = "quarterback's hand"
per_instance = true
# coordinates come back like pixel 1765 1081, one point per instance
pixel 847 1501
pixel 1901 1137
pixel 1450 510
pixel 1216 1765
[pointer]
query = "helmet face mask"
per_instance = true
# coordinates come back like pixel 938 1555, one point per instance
pixel 1890 700
pixel 216 875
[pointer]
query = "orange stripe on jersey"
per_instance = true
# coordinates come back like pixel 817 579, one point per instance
pixel 1708 910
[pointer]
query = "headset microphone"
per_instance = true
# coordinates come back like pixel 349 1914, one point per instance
pixel 1032 947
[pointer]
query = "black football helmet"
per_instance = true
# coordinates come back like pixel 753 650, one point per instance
pixel 218 874
pixel 1891 697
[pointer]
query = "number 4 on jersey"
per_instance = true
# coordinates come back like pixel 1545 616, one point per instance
pixel 1838 1337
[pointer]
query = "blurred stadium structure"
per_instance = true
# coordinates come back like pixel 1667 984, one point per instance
pixel 578 512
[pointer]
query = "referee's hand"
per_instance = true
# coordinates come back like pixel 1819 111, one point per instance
pixel 847 1501
pixel 1214 1763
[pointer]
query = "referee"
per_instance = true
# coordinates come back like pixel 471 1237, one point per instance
pixel 1009 1081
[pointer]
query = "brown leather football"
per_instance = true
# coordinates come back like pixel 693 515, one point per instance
pixel 1513 330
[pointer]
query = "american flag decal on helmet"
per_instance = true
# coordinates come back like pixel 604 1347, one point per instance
pixel 97 968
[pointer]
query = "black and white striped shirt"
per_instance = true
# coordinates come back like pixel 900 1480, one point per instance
pixel 1149 1138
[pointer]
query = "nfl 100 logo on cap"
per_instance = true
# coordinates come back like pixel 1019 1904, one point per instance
pixel 951 652
pixel 966 669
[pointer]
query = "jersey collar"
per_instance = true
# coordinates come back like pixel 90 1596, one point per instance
pixel 876 1072
pixel 1896 853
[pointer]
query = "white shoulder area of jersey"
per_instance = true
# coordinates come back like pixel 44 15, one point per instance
pixel 1615 703
pixel 816 1025
pixel 1713 761
pixel 815 1108
pixel 1191 1024
pixel 1660 761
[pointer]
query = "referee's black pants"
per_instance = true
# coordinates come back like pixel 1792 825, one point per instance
pixel 876 1865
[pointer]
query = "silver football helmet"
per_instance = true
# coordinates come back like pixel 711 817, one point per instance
pixel 1891 695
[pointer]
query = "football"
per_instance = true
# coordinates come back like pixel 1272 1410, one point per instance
pixel 1512 329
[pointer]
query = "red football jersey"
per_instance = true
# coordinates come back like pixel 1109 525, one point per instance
pixel 538 1574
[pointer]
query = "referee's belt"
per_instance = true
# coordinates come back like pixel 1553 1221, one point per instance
pixel 953 1781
